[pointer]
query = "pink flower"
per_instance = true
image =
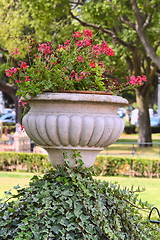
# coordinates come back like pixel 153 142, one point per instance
pixel 16 52
pixel 44 48
pixel 27 79
pixel 80 58
pixel 67 42
pixel 79 43
pixel 87 33
pixel 74 75
pixel 105 49
pixel 96 49
pixel 83 75
pixel 76 35
pixel 87 42
pixel 101 64
pixel 10 72
pixel 23 65
pixel 82 43
pixel 21 103
pixel 139 80
pixel 61 47
pixel 18 81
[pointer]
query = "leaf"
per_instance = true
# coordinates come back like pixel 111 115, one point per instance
pixel 17 186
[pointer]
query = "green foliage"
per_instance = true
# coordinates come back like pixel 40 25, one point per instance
pixel 21 18
pixel 114 166
pixel 104 165
pixel 14 21
pixel 69 204
pixel 31 162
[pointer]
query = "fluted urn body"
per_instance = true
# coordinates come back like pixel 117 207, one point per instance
pixel 62 122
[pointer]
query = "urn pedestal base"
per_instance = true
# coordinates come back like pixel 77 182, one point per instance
pixel 57 156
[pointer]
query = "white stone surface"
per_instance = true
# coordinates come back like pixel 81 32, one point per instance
pixel 62 122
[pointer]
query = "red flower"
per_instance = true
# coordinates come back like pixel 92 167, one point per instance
pixel 79 43
pixel 83 43
pixel 44 48
pixel 87 42
pixel 61 46
pixel 87 33
pixel 74 75
pixel 18 81
pixel 10 72
pixel 137 80
pixel 76 35
pixel 105 49
pixel 21 102
pixel 22 128
pixel 67 42
pixel 16 52
pixel 23 65
pixel 96 49
pixel 92 64
pixel 80 58
pixel 27 79
pixel 83 75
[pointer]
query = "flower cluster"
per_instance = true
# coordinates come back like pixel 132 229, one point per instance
pixel 80 63
pixel 139 80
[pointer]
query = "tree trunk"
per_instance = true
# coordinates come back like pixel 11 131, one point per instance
pixel 145 137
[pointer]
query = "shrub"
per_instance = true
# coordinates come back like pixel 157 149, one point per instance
pixel 115 165
pixel 31 162
pixel 104 164
pixel 68 204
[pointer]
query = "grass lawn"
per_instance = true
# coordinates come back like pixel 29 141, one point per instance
pixel 152 187
pixel 127 145
pixel 10 179
pixel 151 194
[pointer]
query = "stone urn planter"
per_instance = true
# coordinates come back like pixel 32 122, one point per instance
pixel 62 122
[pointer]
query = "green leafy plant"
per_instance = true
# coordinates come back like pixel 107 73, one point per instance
pixel 68 204
pixel 104 165
pixel 114 166
pixel 81 63
pixel 30 162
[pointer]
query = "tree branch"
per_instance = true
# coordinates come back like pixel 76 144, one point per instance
pixel 147 21
pixel 3 49
pixel 128 22
pixel 139 27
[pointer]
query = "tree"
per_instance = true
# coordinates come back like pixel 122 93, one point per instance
pixel 140 26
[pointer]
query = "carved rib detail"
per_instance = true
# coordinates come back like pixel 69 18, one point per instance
pixel 73 130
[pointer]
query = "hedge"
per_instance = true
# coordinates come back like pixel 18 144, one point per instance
pixel 115 165
pixel 30 162
pixel 105 165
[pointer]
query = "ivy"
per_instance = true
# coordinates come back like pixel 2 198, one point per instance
pixel 69 204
